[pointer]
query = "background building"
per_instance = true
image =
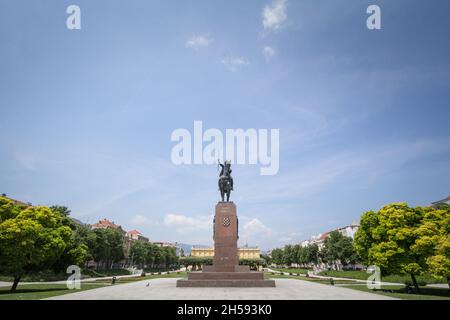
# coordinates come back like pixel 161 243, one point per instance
pixel 135 235
pixel 347 231
pixel 250 253
pixel 105 223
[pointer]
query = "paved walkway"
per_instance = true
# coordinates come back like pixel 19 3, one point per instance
pixel 165 289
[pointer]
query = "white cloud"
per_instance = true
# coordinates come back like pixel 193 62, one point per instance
pixel 185 224
pixel 234 63
pixel 274 15
pixel 255 227
pixel 268 53
pixel 198 41
pixel 141 221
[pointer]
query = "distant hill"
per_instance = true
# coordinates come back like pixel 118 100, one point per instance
pixel 77 221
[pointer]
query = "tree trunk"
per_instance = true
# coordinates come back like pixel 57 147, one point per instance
pixel 15 283
pixel 414 280
pixel 448 281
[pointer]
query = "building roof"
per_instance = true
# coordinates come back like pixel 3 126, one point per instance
pixel 134 232
pixel 324 235
pixel 105 223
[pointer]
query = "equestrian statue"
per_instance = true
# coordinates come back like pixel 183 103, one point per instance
pixel 225 180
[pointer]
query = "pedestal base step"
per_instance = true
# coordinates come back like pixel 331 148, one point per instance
pixel 226 275
pixel 226 283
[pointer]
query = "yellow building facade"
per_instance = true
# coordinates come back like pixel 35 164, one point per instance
pixel 244 253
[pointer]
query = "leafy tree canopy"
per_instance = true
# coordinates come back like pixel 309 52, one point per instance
pixel 31 239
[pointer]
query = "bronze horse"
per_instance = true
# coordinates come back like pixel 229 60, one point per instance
pixel 225 180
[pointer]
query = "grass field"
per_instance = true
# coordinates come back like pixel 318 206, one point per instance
pixel 269 275
pixel 41 291
pixel 139 278
pixel 49 275
pixel 362 275
pixel 426 293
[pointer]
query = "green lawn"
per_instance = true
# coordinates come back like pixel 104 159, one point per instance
pixel 426 293
pixel 48 275
pixel 139 278
pixel 292 270
pixel 269 275
pixel 104 273
pixel 41 291
pixel 362 275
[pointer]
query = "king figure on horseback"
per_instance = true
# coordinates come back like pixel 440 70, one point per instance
pixel 225 180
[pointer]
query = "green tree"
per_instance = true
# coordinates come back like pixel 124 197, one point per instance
pixel 434 240
pixel 277 256
pixel 330 250
pixel 83 234
pixel 312 254
pixel 138 253
pixel 252 263
pixel 303 255
pixel 31 239
pixel 108 247
pixel 390 239
pixel 151 255
pixel 439 263
pixel 62 210
pixel 77 250
pixel 196 262
pixel 267 260
pixel 159 258
pixel 338 249
pixel 296 249
pixel 288 255
pixel 346 253
pixel 170 256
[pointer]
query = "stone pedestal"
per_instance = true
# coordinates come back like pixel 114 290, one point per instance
pixel 226 271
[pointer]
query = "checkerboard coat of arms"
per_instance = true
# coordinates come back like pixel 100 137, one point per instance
pixel 226 222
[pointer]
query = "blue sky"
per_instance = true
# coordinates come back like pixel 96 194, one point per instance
pixel 86 115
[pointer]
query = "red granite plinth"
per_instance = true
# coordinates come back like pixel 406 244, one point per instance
pixel 226 276
pixel 225 271
pixel 241 283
